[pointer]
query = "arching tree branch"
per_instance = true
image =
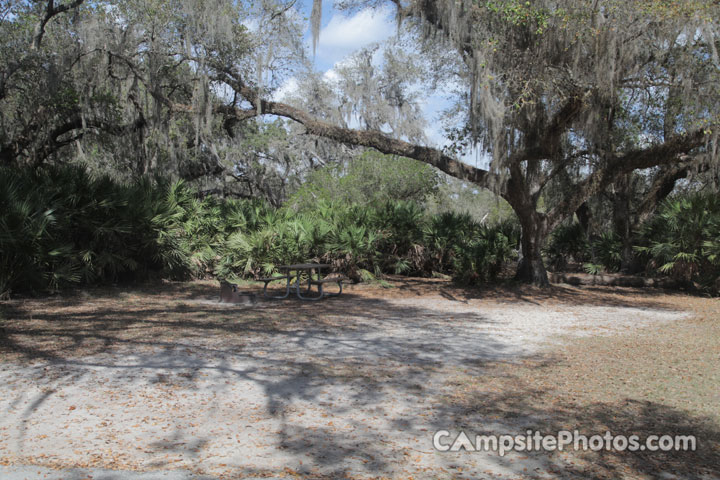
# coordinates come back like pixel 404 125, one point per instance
pixel 51 10
pixel 366 138
pixel 39 144
pixel 667 153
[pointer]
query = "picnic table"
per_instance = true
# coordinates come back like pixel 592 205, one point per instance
pixel 292 273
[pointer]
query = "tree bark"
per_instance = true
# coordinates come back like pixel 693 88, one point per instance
pixel 584 215
pixel 534 225
pixel 622 221
pixel 662 186
pixel 531 268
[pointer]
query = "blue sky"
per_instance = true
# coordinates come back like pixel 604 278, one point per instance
pixel 343 33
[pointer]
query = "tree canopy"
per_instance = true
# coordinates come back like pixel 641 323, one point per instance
pixel 562 95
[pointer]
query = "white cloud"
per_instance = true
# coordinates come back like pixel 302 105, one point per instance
pixel 287 89
pixel 251 24
pixel 344 35
pixel 331 76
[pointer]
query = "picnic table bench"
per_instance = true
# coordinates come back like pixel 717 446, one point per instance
pixel 267 280
pixel 298 269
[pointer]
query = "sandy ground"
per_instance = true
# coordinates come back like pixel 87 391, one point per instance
pixel 352 387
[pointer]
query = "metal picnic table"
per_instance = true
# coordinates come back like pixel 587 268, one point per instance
pixel 293 272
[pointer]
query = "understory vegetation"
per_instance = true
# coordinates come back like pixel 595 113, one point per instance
pixel 61 226
pixel 681 240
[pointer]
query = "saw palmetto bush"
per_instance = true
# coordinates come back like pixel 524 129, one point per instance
pixel 279 240
pixel 60 226
pixel 32 252
pixel 481 258
pixel 365 241
pixel 354 250
pixel 568 242
pixel 398 227
pixel 682 239
pixel 443 233
pixel 57 227
pixel 63 226
pixel 158 210
pixel 337 234
pixel 605 253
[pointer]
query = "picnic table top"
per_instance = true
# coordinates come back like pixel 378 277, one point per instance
pixel 304 266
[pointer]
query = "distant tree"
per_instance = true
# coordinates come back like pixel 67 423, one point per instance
pixel 369 178
pixel 460 197
pixel 628 202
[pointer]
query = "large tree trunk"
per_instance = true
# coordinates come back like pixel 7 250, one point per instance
pixel 533 224
pixel 531 268
pixel 584 216
pixel 622 220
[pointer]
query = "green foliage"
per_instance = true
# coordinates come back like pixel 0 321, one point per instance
pixel 62 226
pixel 460 197
pixel 29 254
pixel 370 178
pixel 518 12
pixel 683 239
pixel 443 233
pixel 59 226
pixel 593 268
pixel 607 251
pixel 568 241
pixel 364 241
pixel 481 259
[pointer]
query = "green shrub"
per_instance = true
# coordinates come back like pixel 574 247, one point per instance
pixel 61 226
pixel 371 179
pixel 567 242
pixel 683 239
pixel 31 252
pixel 607 253
pixel 481 259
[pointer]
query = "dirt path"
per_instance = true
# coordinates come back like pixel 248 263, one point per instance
pixel 353 387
